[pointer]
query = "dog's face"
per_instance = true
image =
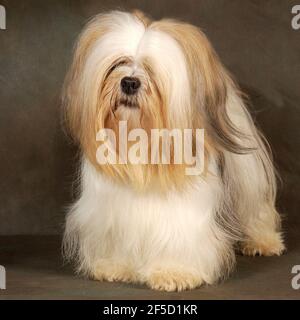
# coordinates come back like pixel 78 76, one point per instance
pixel 138 72
pixel 161 74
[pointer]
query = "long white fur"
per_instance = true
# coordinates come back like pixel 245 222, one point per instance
pixel 147 231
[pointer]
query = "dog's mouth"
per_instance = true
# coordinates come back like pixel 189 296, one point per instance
pixel 128 103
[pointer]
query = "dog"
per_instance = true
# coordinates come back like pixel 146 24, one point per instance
pixel 152 223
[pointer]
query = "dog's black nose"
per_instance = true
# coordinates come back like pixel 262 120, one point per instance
pixel 130 85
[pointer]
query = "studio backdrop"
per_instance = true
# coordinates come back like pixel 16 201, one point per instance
pixel 254 39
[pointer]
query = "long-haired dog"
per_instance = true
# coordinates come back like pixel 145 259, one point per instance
pixel 152 223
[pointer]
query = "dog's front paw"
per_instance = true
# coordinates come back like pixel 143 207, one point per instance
pixel 108 270
pixel 172 280
pixel 266 246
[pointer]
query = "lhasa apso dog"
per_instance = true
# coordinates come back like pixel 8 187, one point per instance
pixel 153 223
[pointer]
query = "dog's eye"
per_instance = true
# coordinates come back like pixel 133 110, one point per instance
pixel 117 64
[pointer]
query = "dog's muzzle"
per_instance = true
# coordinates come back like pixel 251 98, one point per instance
pixel 130 85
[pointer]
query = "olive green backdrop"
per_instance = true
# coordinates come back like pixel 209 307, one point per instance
pixel 254 39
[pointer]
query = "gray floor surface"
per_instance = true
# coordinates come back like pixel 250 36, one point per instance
pixel 35 270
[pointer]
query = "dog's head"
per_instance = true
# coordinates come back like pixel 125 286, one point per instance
pixel 154 74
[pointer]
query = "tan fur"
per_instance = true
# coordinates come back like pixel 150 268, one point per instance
pixel 141 16
pixel 266 245
pixel 111 271
pixel 206 72
pixel 173 280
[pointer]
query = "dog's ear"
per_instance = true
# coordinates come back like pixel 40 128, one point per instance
pixel 76 116
pixel 210 84
pixel 214 85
